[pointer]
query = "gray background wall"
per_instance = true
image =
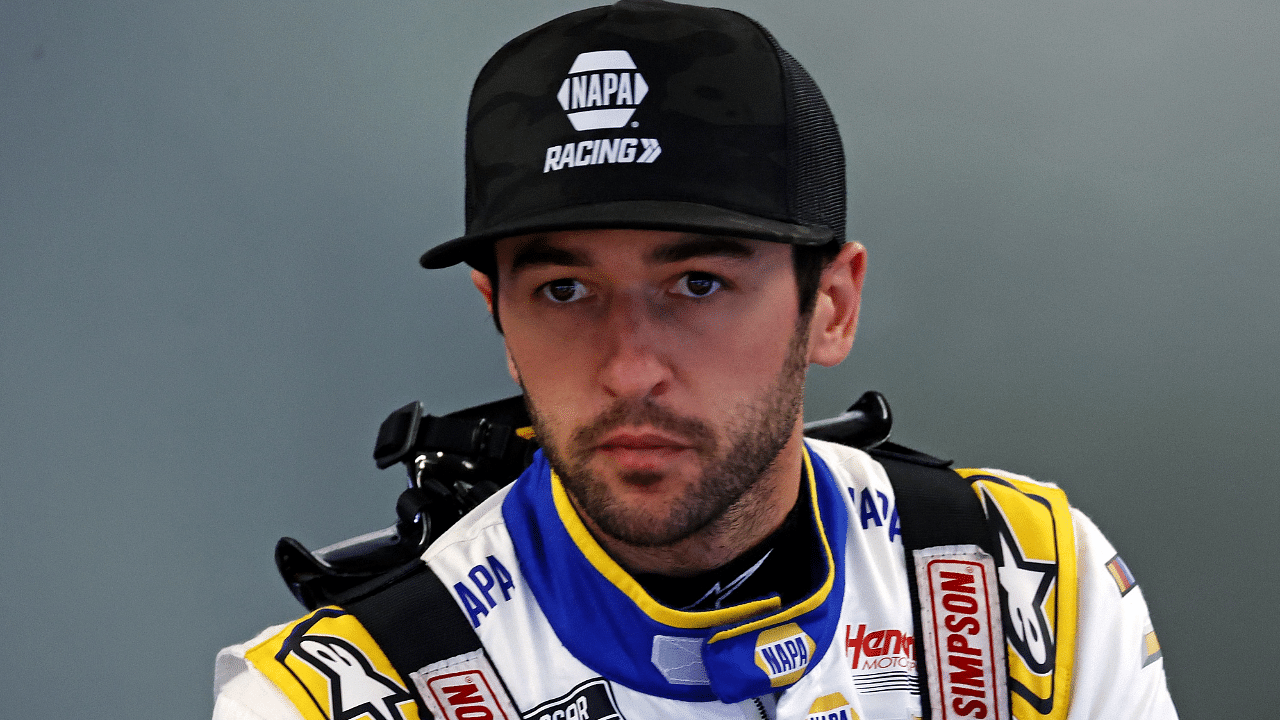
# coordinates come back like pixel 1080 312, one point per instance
pixel 209 219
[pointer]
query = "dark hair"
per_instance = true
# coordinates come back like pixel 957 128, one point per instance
pixel 807 261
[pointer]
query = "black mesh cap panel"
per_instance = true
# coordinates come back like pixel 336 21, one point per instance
pixel 815 154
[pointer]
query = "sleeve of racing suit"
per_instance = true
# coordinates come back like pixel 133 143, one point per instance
pixel 241 692
pixel 1119 670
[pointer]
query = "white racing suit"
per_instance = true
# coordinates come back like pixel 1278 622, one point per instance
pixel 569 635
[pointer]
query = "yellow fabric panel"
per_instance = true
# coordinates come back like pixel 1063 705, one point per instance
pixel 327 665
pixel 1039 519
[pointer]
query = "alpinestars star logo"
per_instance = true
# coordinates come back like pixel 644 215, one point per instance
pixel 355 688
pixel 712 599
pixel 1025 584
pixel 601 92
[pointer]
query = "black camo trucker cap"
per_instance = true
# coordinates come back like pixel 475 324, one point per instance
pixel 648 115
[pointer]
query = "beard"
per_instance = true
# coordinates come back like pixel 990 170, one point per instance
pixel 732 466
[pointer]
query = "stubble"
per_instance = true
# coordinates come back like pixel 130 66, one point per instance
pixel 733 465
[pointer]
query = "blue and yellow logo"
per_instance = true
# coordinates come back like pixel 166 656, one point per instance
pixel 831 707
pixel 783 653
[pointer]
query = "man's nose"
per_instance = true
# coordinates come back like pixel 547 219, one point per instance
pixel 635 361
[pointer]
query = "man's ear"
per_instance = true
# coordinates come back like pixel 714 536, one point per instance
pixel 482 283
pixel 835 315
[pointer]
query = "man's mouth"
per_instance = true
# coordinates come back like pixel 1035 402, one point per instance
pixel 642 449
pixel 642 440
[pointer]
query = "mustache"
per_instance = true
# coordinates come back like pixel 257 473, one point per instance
pixel 630 413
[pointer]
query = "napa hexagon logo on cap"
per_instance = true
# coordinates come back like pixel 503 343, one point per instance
pixel 783 653
pixel 602 90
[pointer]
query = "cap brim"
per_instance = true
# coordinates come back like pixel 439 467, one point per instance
pixel 631 215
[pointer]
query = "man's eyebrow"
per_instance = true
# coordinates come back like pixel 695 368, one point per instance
pixel 540 252
pixel 695 246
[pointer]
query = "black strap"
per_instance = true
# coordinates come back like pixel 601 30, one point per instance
pixel 414 620
pixel 935 507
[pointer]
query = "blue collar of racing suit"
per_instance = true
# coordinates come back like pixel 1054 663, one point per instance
pixel 607 621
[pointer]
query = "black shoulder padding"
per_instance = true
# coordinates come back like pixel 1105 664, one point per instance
pixel 413 618
pixel 935 507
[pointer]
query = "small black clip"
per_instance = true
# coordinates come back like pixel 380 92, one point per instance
pixel 397 435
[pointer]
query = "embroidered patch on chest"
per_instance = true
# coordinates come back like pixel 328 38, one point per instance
pixel 783 653
pixel 832 707
pixel 592 700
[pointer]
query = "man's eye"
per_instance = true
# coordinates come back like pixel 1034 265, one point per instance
pixel 564 290
pixel 697 284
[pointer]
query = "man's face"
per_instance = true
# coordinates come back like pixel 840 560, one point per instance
pixel 664 371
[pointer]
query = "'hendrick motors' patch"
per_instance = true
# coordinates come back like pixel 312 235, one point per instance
pixel 592 700
pixel 964 640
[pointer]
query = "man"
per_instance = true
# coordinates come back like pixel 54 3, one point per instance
pixel 655 218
